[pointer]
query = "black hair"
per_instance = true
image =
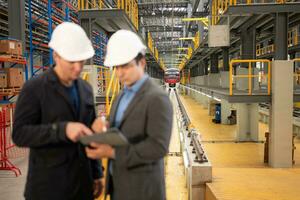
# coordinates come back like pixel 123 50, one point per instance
pixel 139 57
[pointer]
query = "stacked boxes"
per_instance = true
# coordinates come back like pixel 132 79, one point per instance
pixel 15 77
pixel 11 78
pixel 3 80
pixel 11 47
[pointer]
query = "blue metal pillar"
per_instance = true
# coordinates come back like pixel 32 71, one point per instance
pixel 50 31
pixel 31 47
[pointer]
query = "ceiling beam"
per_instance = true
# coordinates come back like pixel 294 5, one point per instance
pixel 159 28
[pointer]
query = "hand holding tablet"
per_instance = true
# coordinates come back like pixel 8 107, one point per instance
pixel 113 137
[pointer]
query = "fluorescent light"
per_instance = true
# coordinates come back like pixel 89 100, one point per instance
pixel 215 98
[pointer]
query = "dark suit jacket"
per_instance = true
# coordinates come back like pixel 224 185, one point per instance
pixel 58 168
pixel 138 169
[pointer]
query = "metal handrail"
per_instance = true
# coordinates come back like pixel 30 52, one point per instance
pixel 296 75
pixel 220 6
pixel 129 6
pixel 186 118
pixel 250 75
pixel 113 88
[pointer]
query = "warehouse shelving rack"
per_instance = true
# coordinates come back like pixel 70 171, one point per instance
pixel 9 93
pixel 99 40
pixel 3 21
pixel 5 143
pixel 43 17
pixel 6 112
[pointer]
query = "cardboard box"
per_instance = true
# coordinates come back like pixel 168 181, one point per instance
pixel 11 47
pixel 3 80
pixel 15 77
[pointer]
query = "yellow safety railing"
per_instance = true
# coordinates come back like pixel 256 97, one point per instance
pixel 104 80
pixel 154 50
pixel 214 12
pixel 85 76
pixel 100 80
pixel 185 77
pixel 156 53
pixel 104 76
pixel 162 64
pixel 297 73
pixel 182 64
pixel 268 49
pixel 220 6
pixel 197 40
pixel 296 60
pixel 258 49
pixel 250 75
pixel 293 40
pixel 203 20
pixel 264 50
pixel 293 36
pixel 90 4
pixel 190 52
pixel 129 6
pixel 182 78
pixel 150 42
pixel 112 91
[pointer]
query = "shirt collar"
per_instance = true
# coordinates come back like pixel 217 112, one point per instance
pixel 137 85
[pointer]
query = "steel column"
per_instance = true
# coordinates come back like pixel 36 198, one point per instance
pixel 86 24
pixel 214 63
pixel 248 44
pixel 281 29
pixel 225 52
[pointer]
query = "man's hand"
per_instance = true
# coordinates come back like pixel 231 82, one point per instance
pixel 98 151
pixel 99 125
pixel 74 130
pixel 98 187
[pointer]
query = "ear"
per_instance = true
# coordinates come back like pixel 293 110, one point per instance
pixel 143 63
pixel 56 57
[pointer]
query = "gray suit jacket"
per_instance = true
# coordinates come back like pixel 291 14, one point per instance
pixel 138 169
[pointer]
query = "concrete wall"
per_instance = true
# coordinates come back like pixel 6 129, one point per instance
pixel 224 79
pixel 247 122
pixel 199 80
pixel 226 111
pixel 242 83
pixel 214 80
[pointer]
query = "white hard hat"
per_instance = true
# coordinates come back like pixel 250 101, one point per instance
pixel 122 47
pixel 70 41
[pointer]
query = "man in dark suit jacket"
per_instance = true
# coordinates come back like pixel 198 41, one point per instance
pixel 53 110
pixel 144 114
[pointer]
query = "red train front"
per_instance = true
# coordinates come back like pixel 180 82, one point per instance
pixel 172 76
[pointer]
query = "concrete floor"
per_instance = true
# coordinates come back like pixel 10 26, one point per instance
pixel 12 187
pixel 238 169
pixel 174 170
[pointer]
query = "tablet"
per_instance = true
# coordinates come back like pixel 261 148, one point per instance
pixel 113 137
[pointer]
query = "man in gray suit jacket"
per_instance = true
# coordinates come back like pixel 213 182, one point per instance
pixel 144 114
